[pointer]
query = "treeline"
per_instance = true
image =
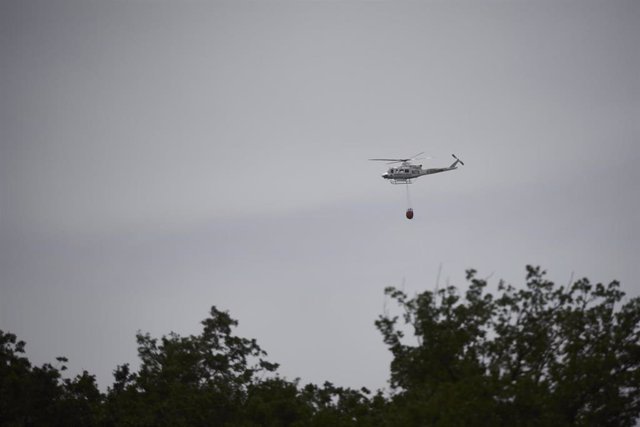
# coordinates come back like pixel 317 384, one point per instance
pixel 542 355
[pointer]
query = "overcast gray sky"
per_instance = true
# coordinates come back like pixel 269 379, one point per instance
pixel 158 157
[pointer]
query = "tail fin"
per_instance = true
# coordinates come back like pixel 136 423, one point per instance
pixel 454 164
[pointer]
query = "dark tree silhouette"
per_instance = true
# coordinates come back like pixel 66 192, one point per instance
pixel 210 379
pixel 542 355
pixel 195 380
pixel 37 396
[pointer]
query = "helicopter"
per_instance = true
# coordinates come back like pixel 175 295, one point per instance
pixel 407 171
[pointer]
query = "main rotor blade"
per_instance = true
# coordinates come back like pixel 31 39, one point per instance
pixel 402 160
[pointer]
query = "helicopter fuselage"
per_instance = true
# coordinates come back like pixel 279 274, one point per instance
pixel 405 173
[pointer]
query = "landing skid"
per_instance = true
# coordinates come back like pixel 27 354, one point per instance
pixel 400 181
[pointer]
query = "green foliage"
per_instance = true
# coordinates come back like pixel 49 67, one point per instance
pixel 542 355
pixel 31 395
pixel 195 380
pixel 211 379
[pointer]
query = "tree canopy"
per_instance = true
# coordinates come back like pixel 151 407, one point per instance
pixel 540 355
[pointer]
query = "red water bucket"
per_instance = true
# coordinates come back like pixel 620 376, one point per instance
pixel 409 213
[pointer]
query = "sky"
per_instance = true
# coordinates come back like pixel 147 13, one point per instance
pixel 160 157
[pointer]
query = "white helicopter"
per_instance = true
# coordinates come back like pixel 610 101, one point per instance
pixel 407 171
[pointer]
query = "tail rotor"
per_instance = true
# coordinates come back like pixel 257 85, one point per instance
pixel 457 160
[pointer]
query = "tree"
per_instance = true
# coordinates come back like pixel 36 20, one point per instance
pixel 195 380
pixel 32 395
pixel 211 379
pixel 542 355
